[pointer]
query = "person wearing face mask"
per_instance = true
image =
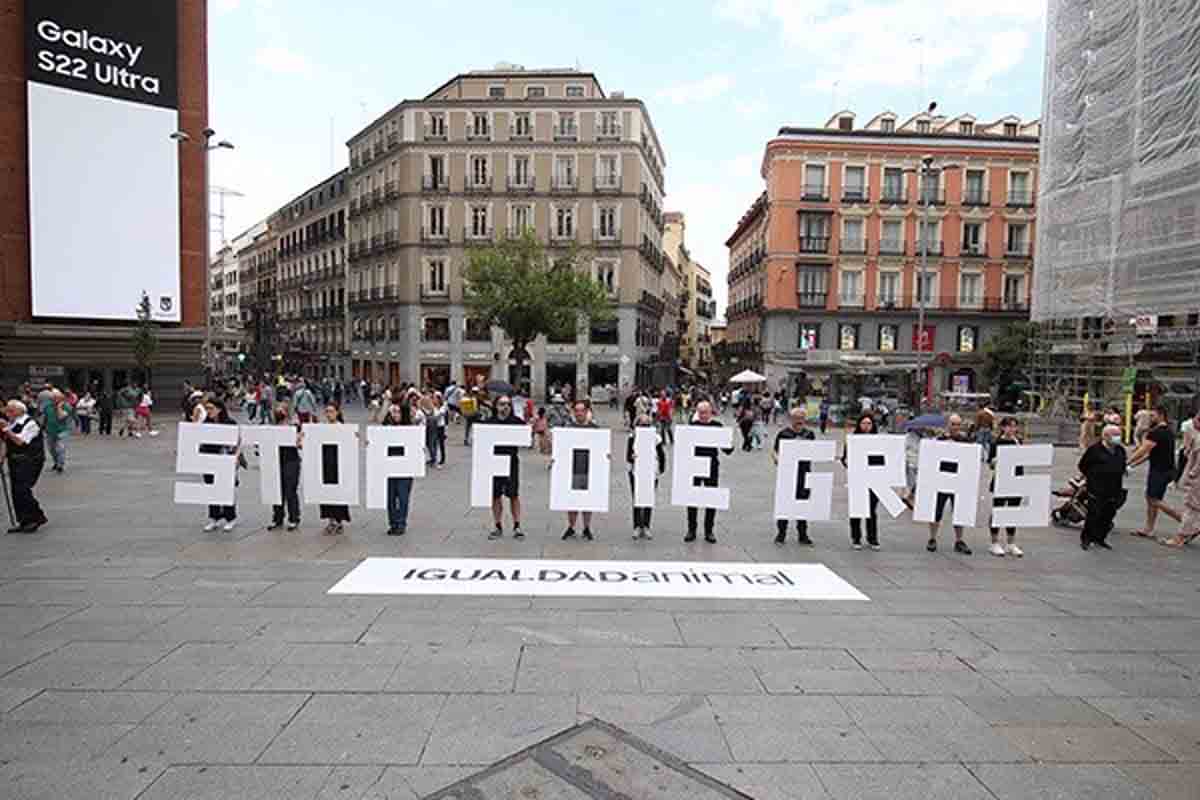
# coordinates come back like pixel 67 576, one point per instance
pixel 506 485
pixel 1103 466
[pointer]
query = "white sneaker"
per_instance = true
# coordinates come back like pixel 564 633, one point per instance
pixel 211 526
pixel 231 525
pixel 1015 551
pixel 646 534
pixel 997 549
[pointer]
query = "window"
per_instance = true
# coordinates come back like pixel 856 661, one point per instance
pixel 564 172
pixel 574 91
pixel 1014 292
pixel 887 125
pixel 607 228
pixel 435 273
pixel 566 126
pixel 522 126
pixel 973 193
pixel 1018 239
pixel 966 128
pixel 923 340
pixel 810 336
pixel 437 125
pixel 972 239
pixel 522 219
pixel 851 292
pixel 922 126
pixel 970 290
pixel 435 329
pixel 606 275
pixel 925 285
pixel 891 238
pixel 476 330
pixel 607 174
pixel 604 332
pixel 930 185
pixel 853 240
pixel 888 335
pixel 496 92
pixel 847 337
pixel 967 338
pixel 814 181
pixel 855 184
pixel 609 127
pixel 437 220
pixel 479 171
pixel 889 288
pixel 481 127
pixel 521 173
pixel 811 286
pixel 927 237
pixel 814 233
pixel 535 92
pixel 437 172
pixel 1019 193
pixel 893 185
pixel 1010 129
pixel 564 223
pixel 845 123
pixel 479 222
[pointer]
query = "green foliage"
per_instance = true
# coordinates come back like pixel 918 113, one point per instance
pixel 1005 354
pixel 515 285
pixel 145 336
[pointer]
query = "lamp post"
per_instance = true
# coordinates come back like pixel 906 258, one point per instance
pixel 182 138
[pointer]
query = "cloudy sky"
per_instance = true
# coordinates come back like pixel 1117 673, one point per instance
pixel 291 80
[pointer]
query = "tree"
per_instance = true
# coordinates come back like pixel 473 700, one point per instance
pixel 516 286
pixel 1006 355
pixel 145 337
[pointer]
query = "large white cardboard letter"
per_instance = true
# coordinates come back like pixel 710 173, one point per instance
pixel 1034 490
pixel 485 464
pixel 393 451
pixel 571 488
pixel 874 463
pixel 345 438
pixel 817 502
pixel 686 466
pixel 269 439
pixel 190 461
pixel 948 468
pixel 645 466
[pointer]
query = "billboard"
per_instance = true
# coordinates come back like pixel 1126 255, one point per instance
pixel 102 89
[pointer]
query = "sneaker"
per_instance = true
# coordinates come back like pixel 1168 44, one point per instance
pixel 211 526
pixel 569 533
pixel 1015 551
pixel 856 545
pixel 996 549
pixel 230 525
pixel 637 534
pixel 274 526
pixel 780 538
pixel 803 539
pixel 291 526
pixel 518 533
pixel 931 545
pixel 587 534
pixel 646 534
pixel 961 547
pixel 874 545
pixel 496 533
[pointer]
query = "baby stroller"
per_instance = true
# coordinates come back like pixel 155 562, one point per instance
pixel 1073 510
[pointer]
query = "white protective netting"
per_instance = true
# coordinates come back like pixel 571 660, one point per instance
pixel 1119 193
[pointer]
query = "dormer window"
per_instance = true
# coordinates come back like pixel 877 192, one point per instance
pixel 966 128
pixel 922 126
pixel 887 125
pixel 1010 129
pixel 845 123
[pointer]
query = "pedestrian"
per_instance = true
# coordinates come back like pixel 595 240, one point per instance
pixel 216 414
pixel 25 454
pixel 663 413
pixel 429 413
pixel 1103 466
pixel 798 429
pixel 442 413
pixel 824 416
pixel 1189 483
pixel 985 421
pixel 289 479
pixel 506 485
pixel 59 419
pixel 144 406
pixel 335 515
pixel 126 402
pixel 580 418
pixel 266 401
pixel 1143 421
pixel 631 409
pixel 104 407
pixel 746 426
pixel 704 416
pixel 865 426
pixel 541 432
pixel 1156 445
pixel 954 433
pixel 469 406
pixel 399 490
pixel 1008 436
pixel 305 403
pixel 86 411
pixel 641 514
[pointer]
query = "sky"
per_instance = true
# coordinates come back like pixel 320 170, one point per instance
pixel 291 80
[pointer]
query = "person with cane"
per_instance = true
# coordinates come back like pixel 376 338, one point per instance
pixel 25 457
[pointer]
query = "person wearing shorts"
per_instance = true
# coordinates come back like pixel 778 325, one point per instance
pixel 1158 447
pixel 507 485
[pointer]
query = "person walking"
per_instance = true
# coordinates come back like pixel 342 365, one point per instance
pixel 104 408
pixel 126 402
pixel 506 485
pixel 289 480
pixel 746 426
pixel 797 429
pixel 144 408
pixel 85 411
pixel 1189 483
pixel 1008 436
pixel 399 490
pixel 641 514
pixel 1157 445
pixel 580 418
pixel 25 454
pixel 954 433
pixel 704 416
pixel 985 423
pixel 469 405
pixel 59 420
pixel 864 426
pixel 1103 466
pixel 215 413
pixel 664 413
pixel 824 416
pixel 305 403
pixel 541 432
pixel 336 515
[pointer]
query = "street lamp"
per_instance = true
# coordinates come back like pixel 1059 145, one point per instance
pixel 181 137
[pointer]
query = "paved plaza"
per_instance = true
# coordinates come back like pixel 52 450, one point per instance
pixel 141 657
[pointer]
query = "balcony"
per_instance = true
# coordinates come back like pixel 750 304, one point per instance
pixel 850 299
pixel 434 295
pixel 435 183
pixel 893 195
pixel 376 196
pixel 923 246
pixel 520 183
pixel 391 190
pixel 974 196
pixel 970 302
pixel 518 133
pixel 891 247
pixel 517 231
pixel 607 184
pixel 393 140
pixel 856 195
pixel 1019 198
pixel 610 237
pixel 564 184
pixel 435 133
pixel 814 244
pixel 1018 250
pixel 391 240
pixel 975 250
pixel 811 299
pixel 609 133
pixel 931 195
pixel 562 236
pixel 954 303
pixel 477 234
pixel 435 236
pixel 353 211
pixel 852 246
pixel 815 193
pixel 479 134
pixel 566 133
pixel 478 184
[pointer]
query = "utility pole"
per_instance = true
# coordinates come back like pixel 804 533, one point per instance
pixel 222 192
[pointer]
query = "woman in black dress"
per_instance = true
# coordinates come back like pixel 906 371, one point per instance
pixel 336 516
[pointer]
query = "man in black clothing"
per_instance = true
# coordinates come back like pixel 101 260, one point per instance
pixel 1103 466
pixel 1157 447
pixel 25 453
pixel 797 430
pixel 704 416
pixel 506 485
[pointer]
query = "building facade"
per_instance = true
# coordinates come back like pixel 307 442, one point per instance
pixel 696 307
pixel 826 281
pixel 311 322
pixel 223 311
pixel 490 154
pixel 257 262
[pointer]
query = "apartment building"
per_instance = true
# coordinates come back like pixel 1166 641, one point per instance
pixel 825 267
pixel 224 332
pixel 257 264
pixel 490 154
pixel 696 307
pixel 311 281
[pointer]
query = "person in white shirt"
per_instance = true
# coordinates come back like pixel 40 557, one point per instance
pixel 25 454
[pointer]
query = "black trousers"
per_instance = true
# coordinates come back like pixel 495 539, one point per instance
pixel 106 423
pixel 228 513
pixel 289 480
pixel 872 522
pixel 1100 515
pixel 710 514
pixel 23 478
pixel 641 516
pixel 801 527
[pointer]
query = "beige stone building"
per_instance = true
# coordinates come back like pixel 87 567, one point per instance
pixel 697 305
pixel 486 155
pixel 258 262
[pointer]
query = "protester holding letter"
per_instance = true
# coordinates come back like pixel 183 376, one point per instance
pixel 1103 466
pixel 336 516
pixel 216 414
pixel 797 430
pixel 865 426
pixel 25 454
pixel 506 486
pixel 1008 436
pixel 704 416
pixel 580 418
pixel 953 433
pixel 641 515
pixel 289 480
pixel 399 490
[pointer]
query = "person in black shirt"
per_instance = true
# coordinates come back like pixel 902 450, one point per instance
pixel 797 430
pixel 641 515
pixel 506 485
pixel 23 449
pixel 1103 466
pixel 1008 436
pixel 216 414
pixel 289 479
pixel 335 514
pixel 866 425
pixel 1158 447
pixel 704 416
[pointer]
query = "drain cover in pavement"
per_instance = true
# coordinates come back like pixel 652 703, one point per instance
pixel 592 761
